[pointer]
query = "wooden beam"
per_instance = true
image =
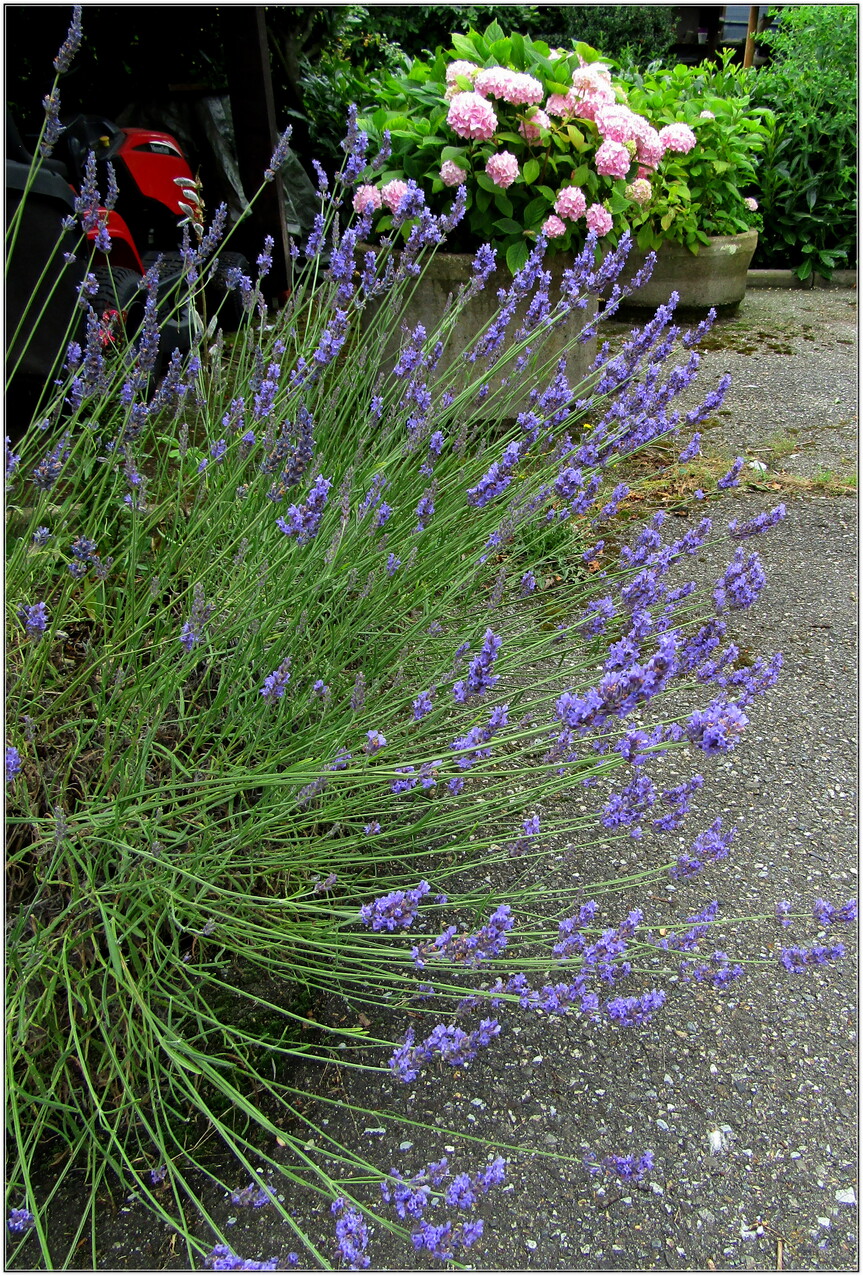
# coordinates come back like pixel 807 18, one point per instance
pixel 749 51
pixel 250 86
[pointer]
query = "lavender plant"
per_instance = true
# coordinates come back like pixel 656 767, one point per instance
pixel 283 694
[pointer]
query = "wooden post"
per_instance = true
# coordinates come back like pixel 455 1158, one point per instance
pixel 247 59
pixel 749 51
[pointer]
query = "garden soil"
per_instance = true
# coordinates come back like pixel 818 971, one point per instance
pixel 748 1097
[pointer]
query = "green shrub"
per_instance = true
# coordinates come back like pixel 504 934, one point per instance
pixel 711 189
pixel 631 34
pixel 808 173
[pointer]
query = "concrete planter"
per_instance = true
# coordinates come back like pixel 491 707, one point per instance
pixel 443 278
pixel 714 276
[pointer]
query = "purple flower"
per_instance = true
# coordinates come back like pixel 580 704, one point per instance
pixel 12 460
pixel 631 1011
pixel 223 1259
pixel 252 1195
pixel 20 1220
pixel 716 728
pixel 425 509
pixel 460 1192
pixel 265 258
pixel 630 1169
pixel 352 1235
pixel 480 679
pixel 718 971
pixel 276 682
pixel 797 960
pixel 450 1043
pixel 193 629
pixel 35 619
pixel 760 523
pixel 732 478
pixel 50 467
pixel 827 915
pixel 374 742
pixel 741 584
pixel 304 520
pixel 422 705
pixel 72 43
pixel 159 1174
pixel 280 154
pixel 468 949
pixel 692 449
pixel 528 583
pixel 783 910
pixel 396 910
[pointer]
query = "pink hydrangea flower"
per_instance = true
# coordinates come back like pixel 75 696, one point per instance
pixel 523 90
pixel 677 137
pixel 751 204
pixel 467 69
pixel 470 115
pixel 510 86
pixel 531 129
pixel 599 219
pixel 587 107
pixel 613 160
pixel 650 148
pixel 639 191
pixel 393 193
pixel 561 105
pixel 570 203
pixel 493 81
pixel 367 199
pixel 591 76
pixel 451 174
pixel 502 169
pixel 553 227
pixel 617 123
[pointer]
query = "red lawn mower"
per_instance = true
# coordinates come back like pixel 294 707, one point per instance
pixel 144 224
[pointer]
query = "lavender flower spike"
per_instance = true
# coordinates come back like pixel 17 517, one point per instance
pixel 72 43
pixel 280 154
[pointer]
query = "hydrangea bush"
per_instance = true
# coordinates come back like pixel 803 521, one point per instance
pixel 543 141
pixel 713 188
pixel 285 694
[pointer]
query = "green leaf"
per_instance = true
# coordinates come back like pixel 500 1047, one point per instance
pixel 485 182
pixel 494 31
pixel 503 203
pixel 517 51
pixel 535 210
pixel 517 255
pixel 530 171
pixel 464 47
pixel 508 226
